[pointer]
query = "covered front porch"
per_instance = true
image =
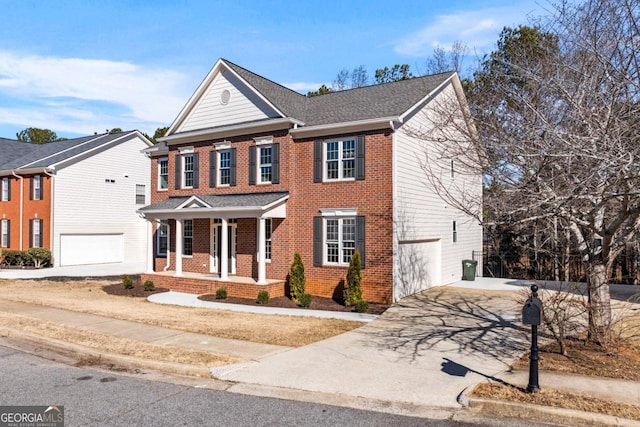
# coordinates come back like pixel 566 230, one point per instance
pixel 221 239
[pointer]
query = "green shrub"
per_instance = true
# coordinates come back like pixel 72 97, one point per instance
pixel 353 291
pixel 148 286
pixel 127 282
pixel 221 293
pixel 305 300
pixel 361 306
pixel 39 257
pixel 15 258
pixel 296 277
pixel 263 297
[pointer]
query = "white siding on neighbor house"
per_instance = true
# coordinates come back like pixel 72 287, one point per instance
pixel 243 106
pixel 425 254
pixel 87 202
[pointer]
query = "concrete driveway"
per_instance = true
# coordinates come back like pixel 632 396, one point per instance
pixel 425 350
pixel 92 270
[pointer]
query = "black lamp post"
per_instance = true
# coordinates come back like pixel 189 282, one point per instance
pixel 532 315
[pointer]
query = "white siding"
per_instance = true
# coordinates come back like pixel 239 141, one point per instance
pixel 85 204
pixel 243 106
pixel 423 221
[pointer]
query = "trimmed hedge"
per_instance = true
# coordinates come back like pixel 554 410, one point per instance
pixel 34 257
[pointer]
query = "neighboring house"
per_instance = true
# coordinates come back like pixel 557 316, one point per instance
pixel 77 197
pixel 251 172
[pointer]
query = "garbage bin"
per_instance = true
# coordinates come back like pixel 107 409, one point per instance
pixel 469 269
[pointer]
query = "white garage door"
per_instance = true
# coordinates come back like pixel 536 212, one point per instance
pixel 419 265
pixel 80 249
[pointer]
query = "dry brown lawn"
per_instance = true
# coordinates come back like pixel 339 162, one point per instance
pixel 87 296
pixel 548 397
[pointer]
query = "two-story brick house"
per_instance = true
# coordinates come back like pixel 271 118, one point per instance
pixel 77 197
pixel 251 172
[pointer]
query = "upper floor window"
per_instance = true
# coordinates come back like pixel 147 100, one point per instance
pixel 5 194
pixel 36 188
pixel 163 174
pixel 264 164
pixel 455 232
pixel 224 167
pixel 188 168
pixel 141 196
pixel 187 237
pixel 5 230
pixel 339 159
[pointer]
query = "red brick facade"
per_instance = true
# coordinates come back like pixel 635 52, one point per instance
pixel 371 198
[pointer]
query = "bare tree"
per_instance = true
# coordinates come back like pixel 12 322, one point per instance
pixel 359 77
pixel 556 108
pixel 444 60
pixel 340 82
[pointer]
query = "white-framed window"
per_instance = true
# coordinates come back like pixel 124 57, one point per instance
pixel 187 237
pixel 36 233
pixel 141 194
pixel 163 173
pixel 162 240
pixel 265 166
pixel 5 195
pixel 188 167
pixel 453 171
pixel 454 232
pixel 37 188
pixel 340 240
pixel 224 168
pixel 339 159
pixel 4 233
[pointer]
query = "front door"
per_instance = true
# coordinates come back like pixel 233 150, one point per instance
pixel 216 244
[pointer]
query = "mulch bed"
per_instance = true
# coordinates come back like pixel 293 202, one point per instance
pixel 318 303
pixel 137 291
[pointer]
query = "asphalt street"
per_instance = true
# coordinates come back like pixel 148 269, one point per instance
pixel 95 397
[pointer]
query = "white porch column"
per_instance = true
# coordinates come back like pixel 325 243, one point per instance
pixel 179 224
pixel 262 244
pixel 149 247
pixel 224 250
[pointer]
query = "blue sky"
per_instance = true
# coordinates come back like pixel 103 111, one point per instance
pixel 79 67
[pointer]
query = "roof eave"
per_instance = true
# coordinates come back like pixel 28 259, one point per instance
pixel 346 127
pixel 230 131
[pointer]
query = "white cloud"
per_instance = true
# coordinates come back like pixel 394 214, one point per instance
pixel 478 29
pixel 76 95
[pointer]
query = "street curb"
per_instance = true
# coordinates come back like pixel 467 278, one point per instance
pixel 541 413
pixel 78 351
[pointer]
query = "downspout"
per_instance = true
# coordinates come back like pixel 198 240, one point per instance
pixel 20 222
pixel 51 221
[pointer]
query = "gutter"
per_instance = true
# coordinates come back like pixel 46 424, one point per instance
pixel 354 126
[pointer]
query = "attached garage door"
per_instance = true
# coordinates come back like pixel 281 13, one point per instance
pixel 80 249
pixel 419 265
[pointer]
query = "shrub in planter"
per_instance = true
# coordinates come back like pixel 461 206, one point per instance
pixel 361 306
pixel 127 282
pixel 353 291
pixel 148 286
pixel 40 257
pixel 263 297
pixel 296 277
pixel 221 293
pixel 305 300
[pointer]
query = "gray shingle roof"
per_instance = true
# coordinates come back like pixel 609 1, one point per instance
pixel 22 155
pixel 250 200
pixel 369 102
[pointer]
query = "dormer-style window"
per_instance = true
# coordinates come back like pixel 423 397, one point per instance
pixel 340 159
